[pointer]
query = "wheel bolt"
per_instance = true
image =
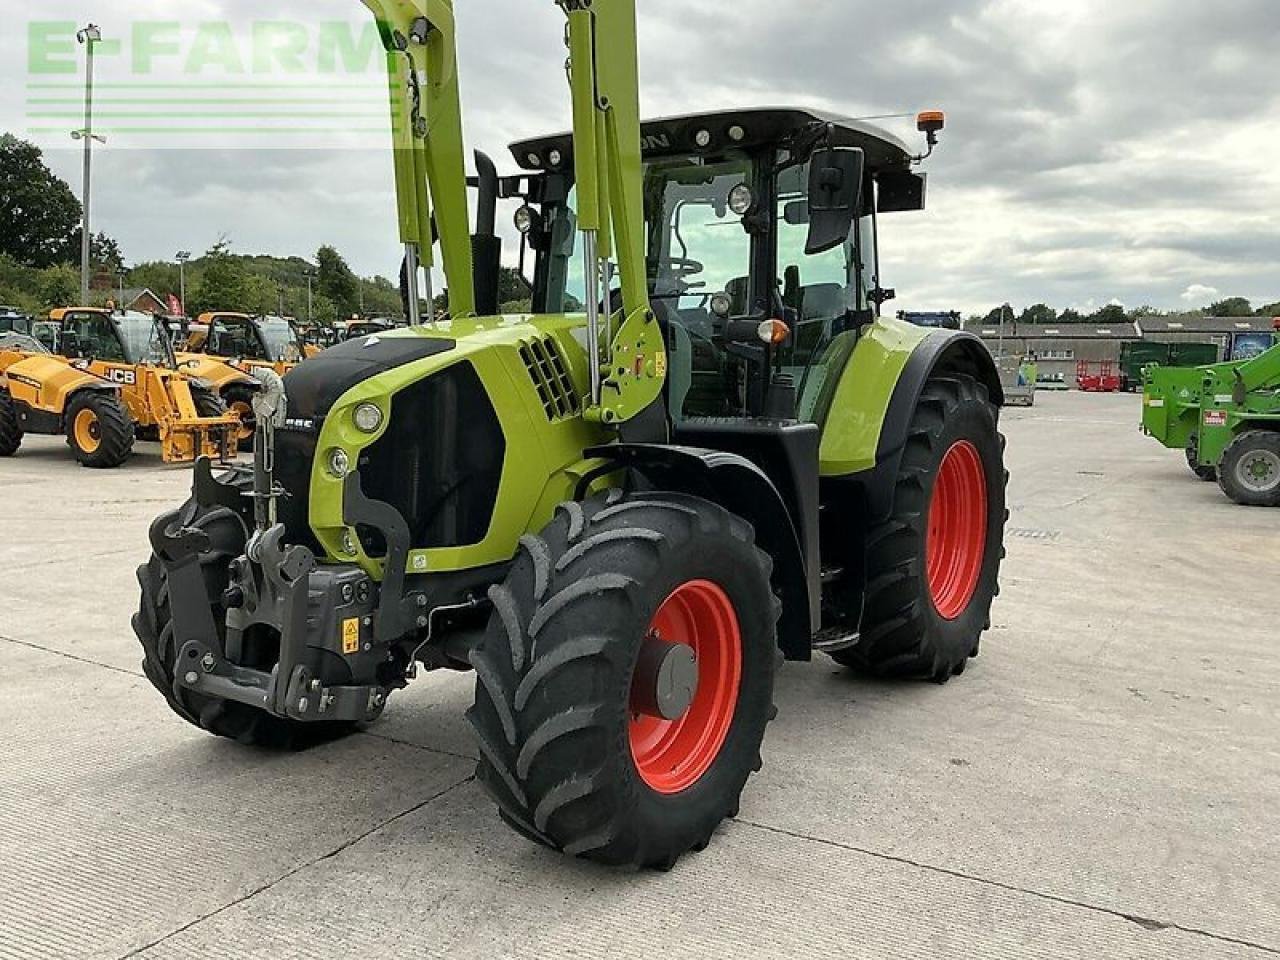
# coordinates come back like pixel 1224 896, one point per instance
pixel 192 678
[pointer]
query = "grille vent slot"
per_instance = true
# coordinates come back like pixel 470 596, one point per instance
pixel 550 376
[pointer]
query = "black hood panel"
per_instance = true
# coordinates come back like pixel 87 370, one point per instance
pixel 313 387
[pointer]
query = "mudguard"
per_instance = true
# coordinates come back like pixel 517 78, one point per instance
pixel 744 489
pixel 865 430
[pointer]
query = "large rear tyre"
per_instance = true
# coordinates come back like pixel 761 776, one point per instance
pixel 153 624
pixel 1203 471
pixel 932 569
pixel 1250 470
pixel 239 400
pixel 99 430
pixel 10 426
pixel 626 678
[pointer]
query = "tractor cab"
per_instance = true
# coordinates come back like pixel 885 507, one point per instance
pixel 761 252
pixel 256 339
pixel 125 338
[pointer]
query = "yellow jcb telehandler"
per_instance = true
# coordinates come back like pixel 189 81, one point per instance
pixel 111 377
pixel 228 349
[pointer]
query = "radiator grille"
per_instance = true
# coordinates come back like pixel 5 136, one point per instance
pixel 550 376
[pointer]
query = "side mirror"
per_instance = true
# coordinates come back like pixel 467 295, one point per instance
pixel 835 192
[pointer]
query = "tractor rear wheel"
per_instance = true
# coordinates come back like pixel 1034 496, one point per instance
pixel 1250 470
pixel 1202 470
pixel 932 569
pixel 207 403
pixel 626 678
pixel 153 624
pixel 99 430
pixel 239 400
pixel 10 426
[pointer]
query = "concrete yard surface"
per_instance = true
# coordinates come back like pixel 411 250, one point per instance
pixel 1103 781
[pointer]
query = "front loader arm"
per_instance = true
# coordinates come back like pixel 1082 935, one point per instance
pixel 426 128
pixel 604 76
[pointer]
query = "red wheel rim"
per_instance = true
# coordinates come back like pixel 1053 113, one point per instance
pixel 672 755
pixel 957 538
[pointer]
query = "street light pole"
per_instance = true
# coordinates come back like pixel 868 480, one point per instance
pixel 182 257
pixel 310 276
pixel 89 36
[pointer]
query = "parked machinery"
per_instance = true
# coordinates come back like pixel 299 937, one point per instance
pixel 1226 417
pixel 114 374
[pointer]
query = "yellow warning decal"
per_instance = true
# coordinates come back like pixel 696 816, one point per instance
pixel 660 363
pixel 351 636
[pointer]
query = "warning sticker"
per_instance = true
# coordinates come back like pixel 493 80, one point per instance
pixel 660 364
pixel 351 636
pixel 1215 418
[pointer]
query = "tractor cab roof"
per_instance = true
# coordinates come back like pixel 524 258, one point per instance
pixel 207 318
pixel 713 134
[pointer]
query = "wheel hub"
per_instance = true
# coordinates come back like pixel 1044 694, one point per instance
pixel 1260 470
pixel 684 691
pixel 666 679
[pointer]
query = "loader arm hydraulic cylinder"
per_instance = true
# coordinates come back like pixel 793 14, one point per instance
pixel 627 376
pixel 426 128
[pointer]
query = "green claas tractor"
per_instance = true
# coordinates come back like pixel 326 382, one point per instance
pixel 703 453
pixel 1226 417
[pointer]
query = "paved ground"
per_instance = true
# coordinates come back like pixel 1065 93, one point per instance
pixel 1103 782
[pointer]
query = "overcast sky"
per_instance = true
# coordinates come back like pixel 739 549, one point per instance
pixel 1096 150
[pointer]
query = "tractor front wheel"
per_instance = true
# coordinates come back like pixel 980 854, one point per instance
pixel 932 569
pixel 153 625
pixel 626 678
pixel 1204 471
pixel 99 430
pixel 1250 470
pixel 10 426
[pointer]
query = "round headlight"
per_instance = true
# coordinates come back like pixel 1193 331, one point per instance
pixel 524 219
pixel 737 134
pixel 741 199
pixel 721 305
pixel 554 158
pixel 349 544
pixel 368 417
pixel 534 159
pixel 339 462
pixel 702 138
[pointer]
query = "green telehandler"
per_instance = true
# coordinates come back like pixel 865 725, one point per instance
pixel 703 453
pixel 1226 417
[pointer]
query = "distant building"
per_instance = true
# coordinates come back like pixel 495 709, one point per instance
pixel 1235 337
pixel 142 300
pixel 1057 348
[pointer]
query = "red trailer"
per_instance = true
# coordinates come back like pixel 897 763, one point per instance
pixel 1097 376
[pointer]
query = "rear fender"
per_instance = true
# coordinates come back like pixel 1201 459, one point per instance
pixel 742 488
pixel 873 466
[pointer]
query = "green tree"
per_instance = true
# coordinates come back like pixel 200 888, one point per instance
pixel 1040 314
pixel 1144 312
pixel 1111 313
pixel 41 215
pixel 1270 310
pixel 1231 307
pixel 336 282
pixel 224 282
pixel 1000 315
pixel 159 277
pixel 59 286
pixel 1070 316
